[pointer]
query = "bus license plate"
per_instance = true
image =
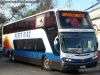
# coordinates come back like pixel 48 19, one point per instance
pixel 83 66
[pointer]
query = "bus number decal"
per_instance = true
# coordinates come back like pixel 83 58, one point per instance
pixel 25 34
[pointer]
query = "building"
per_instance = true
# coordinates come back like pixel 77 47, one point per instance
pixel 95 17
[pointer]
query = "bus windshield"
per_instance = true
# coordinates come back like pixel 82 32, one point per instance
pixel 70 19
pixel 78 42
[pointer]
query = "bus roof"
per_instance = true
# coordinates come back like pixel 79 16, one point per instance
pixel 57 9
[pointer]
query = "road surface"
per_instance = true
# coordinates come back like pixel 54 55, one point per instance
pixel 20 68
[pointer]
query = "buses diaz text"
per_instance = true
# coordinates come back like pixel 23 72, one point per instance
pixel 25 34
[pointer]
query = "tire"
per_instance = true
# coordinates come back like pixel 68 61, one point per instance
pixel 46 64
pixel 12 57
pixel 9 55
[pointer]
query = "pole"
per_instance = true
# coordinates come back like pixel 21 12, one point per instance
pixel 68 4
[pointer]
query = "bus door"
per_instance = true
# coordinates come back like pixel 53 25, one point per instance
pixel 40 50
pixel 34 51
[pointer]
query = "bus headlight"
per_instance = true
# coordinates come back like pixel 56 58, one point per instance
pixel 67 59
pixel 94 57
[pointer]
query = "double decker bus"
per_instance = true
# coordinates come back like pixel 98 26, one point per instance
pixel 54 39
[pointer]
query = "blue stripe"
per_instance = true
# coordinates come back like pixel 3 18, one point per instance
pixel 23 53
pixel 81 60
pixel 51 56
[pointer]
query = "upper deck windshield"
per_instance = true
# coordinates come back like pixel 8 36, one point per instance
pixel 78 42
pixel 70 19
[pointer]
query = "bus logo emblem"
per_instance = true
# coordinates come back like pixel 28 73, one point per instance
pixel 82 60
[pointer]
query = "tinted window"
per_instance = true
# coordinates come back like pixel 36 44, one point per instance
pixel 30 45
pixel 50 19
pixel 32 22
pixel 24 44
pixel 40 45
pixel 74 19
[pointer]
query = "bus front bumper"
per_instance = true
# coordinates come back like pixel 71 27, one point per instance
pixel 65 66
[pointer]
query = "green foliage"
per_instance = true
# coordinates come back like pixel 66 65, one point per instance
pixel 2 18
pixel 22 10
pixel 42 5
pixel 29 13
pixel 17 8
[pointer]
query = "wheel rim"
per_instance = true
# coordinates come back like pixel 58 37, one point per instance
pixel 46 63
pixel 9 55
pixel 13 57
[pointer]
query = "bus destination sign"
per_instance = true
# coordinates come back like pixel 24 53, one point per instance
pixel 73 15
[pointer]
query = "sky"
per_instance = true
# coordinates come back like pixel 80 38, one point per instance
pixel 75 4
pixel 78 4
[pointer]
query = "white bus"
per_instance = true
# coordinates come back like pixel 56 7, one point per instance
pixel 54 39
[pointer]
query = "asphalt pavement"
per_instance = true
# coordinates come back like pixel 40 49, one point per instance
pixel 99 61
pixel 16 68
pixel 0 54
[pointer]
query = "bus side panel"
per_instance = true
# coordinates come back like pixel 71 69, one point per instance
pixel 54 56
pixel 26 56
pixel 34 54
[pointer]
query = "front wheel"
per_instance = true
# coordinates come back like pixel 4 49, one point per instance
pixel 46 64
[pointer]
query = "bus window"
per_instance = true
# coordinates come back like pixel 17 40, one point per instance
pixel 4 28
pixel 40 45
pixel 29 25
pixel 8 31
pixel 25 25
pixel 18 26
pixel 74 20
pixel 21 26
pixel 26 44
pixel 50 19
pixel 10 28
pixel 32 23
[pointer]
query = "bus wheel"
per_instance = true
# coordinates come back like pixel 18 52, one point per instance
pixel 9 56
pixel 46 64
pixel 12 57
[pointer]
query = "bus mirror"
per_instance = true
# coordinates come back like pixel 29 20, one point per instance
pixel 58 43
pixel 60 40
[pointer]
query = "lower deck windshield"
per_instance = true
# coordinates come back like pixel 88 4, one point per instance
pixel 78 42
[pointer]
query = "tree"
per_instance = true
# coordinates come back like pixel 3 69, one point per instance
pixel 15 11
pixel 45 5
pixel 9 11
pixel 29 13
pixel 41 6
pixel 2 18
